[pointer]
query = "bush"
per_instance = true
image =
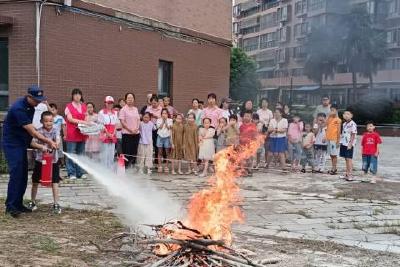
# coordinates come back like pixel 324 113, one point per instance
pixel 373 108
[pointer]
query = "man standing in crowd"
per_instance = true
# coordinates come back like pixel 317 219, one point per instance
pixel 18 131
pixel 325 108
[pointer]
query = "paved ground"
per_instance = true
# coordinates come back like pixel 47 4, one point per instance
pixel 294 206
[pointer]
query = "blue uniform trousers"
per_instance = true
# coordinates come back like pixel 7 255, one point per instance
pixel 17 160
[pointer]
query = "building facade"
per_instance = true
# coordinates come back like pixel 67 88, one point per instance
pixel 114 47
pixel 273 33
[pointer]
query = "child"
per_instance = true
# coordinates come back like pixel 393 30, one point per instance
pixel 221 134
pixel 206 144
pixel 261 149
pixel 92 145
pixel 171 110
pixel 277 142
pixel 177 144
pixel 49 131
pixel 232 131
pixel 109 118
pixel 320 146
pixel 248 132
pixel 308 150
pixel 60 125
pixel 295 131
pixel 347 143
pixel 164 125
pixel 145 150
pixel 370 150
pixel 118 134
pixel 190 143
pixel 333 129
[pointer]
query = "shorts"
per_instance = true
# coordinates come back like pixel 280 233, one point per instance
pixel 321 147
pixel 346 153
pixel 333 148
pixel 277 144
pixel 163 142
pixel 37 173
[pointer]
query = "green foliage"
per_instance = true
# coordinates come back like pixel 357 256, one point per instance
pixel 353 42
pixel 244 84
pixel 363 44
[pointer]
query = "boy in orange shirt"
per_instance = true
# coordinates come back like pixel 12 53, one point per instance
pixel 333 129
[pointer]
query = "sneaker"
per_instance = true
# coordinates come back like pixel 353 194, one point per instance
pixel 303 170
pixel 84 176
pixel 149 171
pixel 32 206
pixel 72 177
pixel 56 209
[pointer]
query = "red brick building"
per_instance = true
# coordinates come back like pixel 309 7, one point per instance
pixel 177 47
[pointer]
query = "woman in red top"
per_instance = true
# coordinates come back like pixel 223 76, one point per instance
pixel 75 114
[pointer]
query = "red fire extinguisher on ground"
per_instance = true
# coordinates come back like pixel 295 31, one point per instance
pixel 47 169
pixel 121 164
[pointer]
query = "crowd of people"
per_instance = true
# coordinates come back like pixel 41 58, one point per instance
pixel 158 135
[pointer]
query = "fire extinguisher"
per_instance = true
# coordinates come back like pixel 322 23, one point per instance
pixel 121 164
pixel 47 169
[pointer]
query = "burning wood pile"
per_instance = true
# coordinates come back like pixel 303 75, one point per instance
pixel 194 249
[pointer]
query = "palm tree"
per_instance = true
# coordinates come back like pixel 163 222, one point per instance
pixel 363 45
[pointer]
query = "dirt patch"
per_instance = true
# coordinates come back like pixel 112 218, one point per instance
pixel 380 191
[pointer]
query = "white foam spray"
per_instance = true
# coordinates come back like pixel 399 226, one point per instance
pixel 138 200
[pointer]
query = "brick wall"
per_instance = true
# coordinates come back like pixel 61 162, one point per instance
pixel 103 57
pixel 213 17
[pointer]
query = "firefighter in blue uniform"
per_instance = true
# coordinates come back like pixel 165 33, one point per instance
pixel 17 136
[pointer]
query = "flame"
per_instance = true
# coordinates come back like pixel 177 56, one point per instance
pixel 213 210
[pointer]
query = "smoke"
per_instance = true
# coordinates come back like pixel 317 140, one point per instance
pixel 138 200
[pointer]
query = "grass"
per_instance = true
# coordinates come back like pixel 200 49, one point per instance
pixel 46 244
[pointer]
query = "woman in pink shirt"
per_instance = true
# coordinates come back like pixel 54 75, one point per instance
pixel 212 111
pixel 130 121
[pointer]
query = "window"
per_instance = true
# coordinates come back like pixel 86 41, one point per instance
pixel 299 52
pixel 283 34
pixel 283 13
pixel 268 40
pixel 3 74
pixel 301 29
pixel 282 55
pixel 392 36
pixel 297 72
pixel 315 4
pixel 250 44
pixel 268 21
pixel 393 8
pixel 269 4
pixel 393 64
pixel 235 27
pixel 164 78
pixel 300 7
pixel 236 11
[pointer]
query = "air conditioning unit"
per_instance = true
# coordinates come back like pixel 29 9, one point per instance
pixel 68 2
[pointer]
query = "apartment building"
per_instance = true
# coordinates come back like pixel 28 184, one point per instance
pixel 273 33
pixel 106 47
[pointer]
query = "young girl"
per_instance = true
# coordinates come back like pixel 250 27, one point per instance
pixel 145 151
pixel 190 143
pixel 206 144
pixel 277 144
pixel 261 149
pixel 295 132
pixel 308 148
pixel 92 146
pixel 164 125
pixel 232 132
pixel 109 118
pixel 177 143
pixel 221 134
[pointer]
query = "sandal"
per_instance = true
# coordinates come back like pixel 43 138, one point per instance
pixel 332 172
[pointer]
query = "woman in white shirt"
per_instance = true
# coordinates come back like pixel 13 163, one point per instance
pixel 277 142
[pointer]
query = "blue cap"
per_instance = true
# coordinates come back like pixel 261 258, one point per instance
pixel 37 93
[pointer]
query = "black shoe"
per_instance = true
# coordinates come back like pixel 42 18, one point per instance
pixel 13 213
pixel 25 209
pixel 303 170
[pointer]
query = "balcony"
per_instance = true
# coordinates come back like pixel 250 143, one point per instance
pixel 249 5
pixel 394 45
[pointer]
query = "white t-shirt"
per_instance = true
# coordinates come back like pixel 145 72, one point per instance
pixel 39 109
pixel 265 116
pixel 349 128
pixel 109 118
pixel 164 131
pixel 320 137
pixel 58 123
pixel 281 125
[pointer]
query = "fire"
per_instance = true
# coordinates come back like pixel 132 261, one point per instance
pixel 213 210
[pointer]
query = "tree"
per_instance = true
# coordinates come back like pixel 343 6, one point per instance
pixel 323 53
pixel 244 84
pixel 363 45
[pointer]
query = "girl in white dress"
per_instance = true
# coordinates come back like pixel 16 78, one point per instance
pixel 206 144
